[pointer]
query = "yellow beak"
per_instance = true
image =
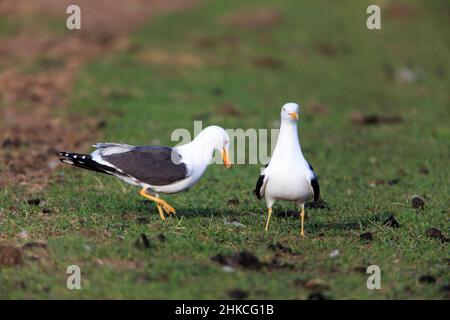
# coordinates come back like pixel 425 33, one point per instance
pixel 226 158
pixel 293 115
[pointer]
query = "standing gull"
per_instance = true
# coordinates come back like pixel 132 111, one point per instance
pixel 156 169
pixel 288 176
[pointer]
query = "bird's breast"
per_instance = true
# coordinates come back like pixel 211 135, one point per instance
pixel 288 183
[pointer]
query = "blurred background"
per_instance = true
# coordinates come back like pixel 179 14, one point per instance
pixel 40 62
pixel 224 58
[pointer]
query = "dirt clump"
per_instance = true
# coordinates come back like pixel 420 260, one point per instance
pixel 10 256
pixel 243 259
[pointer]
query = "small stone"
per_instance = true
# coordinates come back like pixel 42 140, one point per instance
pixel 426 278
pixel 233 203
pixel 317 296
pixel 14 142
pixel 406 75
pixel 238 294
pixel 434 233
pixel 10 256
pixel 23 234
pixel 394 181
pixel 360 269
pixel 445 288
pixel 316 284
pixel 217 91
pixel 391 222
pixel 161 238
pixel 47 211
pixel 35 244
pixel 334 253
pixel 143 220
pixel 34 202
pixel 101 124
pixel 366 236
pixel 418 202
pixel 52 164
pixel 244 259
pixel 142 242
pixel 280 248
pixel 424 170
pixel 235 224
pixel 228 269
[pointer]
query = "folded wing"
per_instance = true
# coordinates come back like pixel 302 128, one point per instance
pixel 153 165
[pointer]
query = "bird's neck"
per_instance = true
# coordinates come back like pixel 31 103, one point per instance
pixel 288 141
pixel 199 151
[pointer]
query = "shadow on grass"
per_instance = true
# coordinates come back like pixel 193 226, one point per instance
pixel 356 223
pixel 148 206
pixel 209 213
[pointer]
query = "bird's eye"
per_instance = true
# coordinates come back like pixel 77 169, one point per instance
pixel 284 109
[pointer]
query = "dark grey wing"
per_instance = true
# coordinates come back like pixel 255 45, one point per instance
pixel 154 165
pixel 258 187
pixel 315 184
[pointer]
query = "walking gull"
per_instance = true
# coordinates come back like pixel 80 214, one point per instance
pixel 156 169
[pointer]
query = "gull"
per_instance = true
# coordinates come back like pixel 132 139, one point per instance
pixel 156 169
pixel 288 176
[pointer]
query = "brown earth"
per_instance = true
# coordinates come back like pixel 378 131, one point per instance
pixel 264 18
pixel 34 122
pixel 10 256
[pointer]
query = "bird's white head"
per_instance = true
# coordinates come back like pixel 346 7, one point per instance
pixel 290 112
pixel 219 139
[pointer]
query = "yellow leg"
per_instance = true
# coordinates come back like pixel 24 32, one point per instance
pixel 160 203
pixel 268 218
pixel 161 214
pixel 167 207
pixel 302 218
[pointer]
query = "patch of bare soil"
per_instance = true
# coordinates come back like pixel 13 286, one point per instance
pixel 244 259
pixel 254 19
pixel 32 126
pixel 318 108
pixel 119 264
pixel 400 9
pixel 10 256
pixel 160 57
pixel 229 109
pixel 267 62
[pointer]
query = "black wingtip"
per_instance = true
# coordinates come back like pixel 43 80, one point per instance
pixel 316 189
pixel 259 184
pixel 61 155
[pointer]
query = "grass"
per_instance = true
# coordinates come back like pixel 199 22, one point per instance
pixel 324 56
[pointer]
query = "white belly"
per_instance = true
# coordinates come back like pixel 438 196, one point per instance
pixel 180 185
pixel 285 184
pixel 175 187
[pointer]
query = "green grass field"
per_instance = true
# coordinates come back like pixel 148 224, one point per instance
pixel 187 66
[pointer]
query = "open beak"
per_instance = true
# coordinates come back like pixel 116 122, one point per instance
pixel 293 115
pixel 226 158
